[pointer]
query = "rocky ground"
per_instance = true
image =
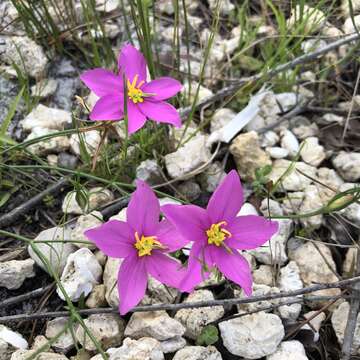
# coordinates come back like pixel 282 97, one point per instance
pixel 295 147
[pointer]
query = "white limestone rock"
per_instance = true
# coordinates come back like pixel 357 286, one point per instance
pixel 83 223
pixel 142 349
pixel 289 280
pixel 203 94
pixel 220 118
pixel 291 204
pixel 96 196
pixel 313 18
pixel 349 265
pixel 293 180
pixel 39 342
pixel 96 298
pixel 11 340
pixel 289 142
pixel 311 202
pixel 258 290
pixel 188 157
pixel 81 273
pixel 348 165
pixel 14 272
pixel 247 209
pixel 149 171
pixel 156 324
pixel 277 152
pixel 269 139
pixel 313 267
pixel 339 320
pixel 108 329
pixel 46 117
pixel 53 250
pixel 44 88
pixel 315 323
pixel 331 181
pixel 25 53
pixel 302 132
pixel 158 293
pixel 91 140
pixel 289 350
pixel 263 275
pixel 65 342
pixel 26 354
pixel 172 345
pixel 351 212
pixel 196 319
pixel 212 177
pixel 252 336
pixel 110 277
pixel 198 353
pixel 248 155
pixel 349 27
pixel 312 152
pixel 274 250
pixel 44 147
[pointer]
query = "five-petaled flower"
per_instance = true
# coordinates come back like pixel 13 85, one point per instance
pixel 218 233
pixel 143 242
pixel 143 99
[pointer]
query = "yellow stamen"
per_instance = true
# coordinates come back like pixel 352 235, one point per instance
pixel 146 244
pixel 217 235
pixel 134 92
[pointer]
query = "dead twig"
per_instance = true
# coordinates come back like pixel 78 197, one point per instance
pixel 14 214
pixel 189 305
pixel 230 90
pixel 30 295
pixel 352 317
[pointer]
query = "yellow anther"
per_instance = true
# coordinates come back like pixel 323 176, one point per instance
pixel 134 92
pixel 146 244
pixel 217 235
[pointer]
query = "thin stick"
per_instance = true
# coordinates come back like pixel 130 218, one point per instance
pixel 189 305
pixel 14 214
pixel 352 317
pixel 230 90
pixel 27 296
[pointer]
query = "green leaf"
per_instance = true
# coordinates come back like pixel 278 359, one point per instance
pixel 7 140
pixel 82 198
pixel 249 63
pixel 6 122
pixel 4 197
pixel 209 335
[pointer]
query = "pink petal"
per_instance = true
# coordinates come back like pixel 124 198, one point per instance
pixel 234 267
pixel 163 88
pixel 250 231
pixel 102 82
pixel 227 199
pixel 132 62
pixel 132 281
pixel 195 273
pixel 160 112
pixel 114 238
pixel 190 220
pixel 136 118
pixel 108 107
pixel 164 269
pixel 170 237
pixel 143 211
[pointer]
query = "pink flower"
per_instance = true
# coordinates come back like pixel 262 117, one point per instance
pixel 143 242
pixel 218 233
pixel 144 99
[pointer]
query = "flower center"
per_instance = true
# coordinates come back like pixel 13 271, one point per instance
pixel 146 244
pixel 134 92
pixel 216 234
